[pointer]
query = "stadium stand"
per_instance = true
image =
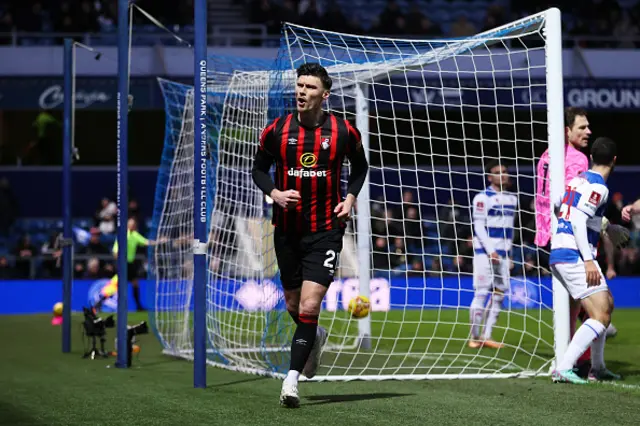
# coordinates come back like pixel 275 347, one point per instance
pixel 258 21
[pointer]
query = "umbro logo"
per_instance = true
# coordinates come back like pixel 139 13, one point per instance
pixel 292 141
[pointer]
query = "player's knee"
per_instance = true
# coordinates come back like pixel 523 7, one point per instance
pixel 292 306
pixel 292 299
pixel 603 317
pixel 479 298
pixel 309 306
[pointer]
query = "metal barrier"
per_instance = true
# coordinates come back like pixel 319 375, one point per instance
pixel 36 264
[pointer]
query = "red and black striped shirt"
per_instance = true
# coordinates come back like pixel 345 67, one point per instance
pixel 309 160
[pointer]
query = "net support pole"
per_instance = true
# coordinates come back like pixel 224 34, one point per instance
pixel 200 195
pixel 364 216
pixel 122 108
pixel 555 120
pixel 67 272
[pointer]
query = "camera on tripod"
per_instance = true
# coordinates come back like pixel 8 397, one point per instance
pixel 95 328
pixel 132 332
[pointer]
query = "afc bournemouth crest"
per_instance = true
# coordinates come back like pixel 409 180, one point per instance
pixel 326 142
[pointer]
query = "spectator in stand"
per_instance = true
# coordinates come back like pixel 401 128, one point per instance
pixel 625 27
pixel 288 12
pixel 310 14
pixel 24 252
pixel 266 12
pixel 6 271
pixel 6 26
pixel 105 217
pixel 50 250
pixel 95 271
pixel 389 19
pixel 134 212
pixel 428 28
pixel 462 27
pixel 8 207
pixel 398 253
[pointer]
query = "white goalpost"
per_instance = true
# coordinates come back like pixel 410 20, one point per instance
pixel 432 114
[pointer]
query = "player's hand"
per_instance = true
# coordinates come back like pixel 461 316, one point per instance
pixel 593 274
pixel 495 258
pixel 611 273
pixel 627 212
pixel 286 199
pixel 343 209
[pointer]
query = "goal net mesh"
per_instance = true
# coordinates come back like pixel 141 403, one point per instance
pixel 436 113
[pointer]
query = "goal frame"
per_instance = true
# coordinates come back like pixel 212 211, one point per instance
pixel 555 128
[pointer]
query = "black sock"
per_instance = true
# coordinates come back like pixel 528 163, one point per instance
pixel 295 317
pixel 303 339
pixel 136 297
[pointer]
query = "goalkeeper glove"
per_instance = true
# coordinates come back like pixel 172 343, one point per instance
pixel 619 235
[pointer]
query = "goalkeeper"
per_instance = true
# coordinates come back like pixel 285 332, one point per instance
pixel 577 134
pixel 308 148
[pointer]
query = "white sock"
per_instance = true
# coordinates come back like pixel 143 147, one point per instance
pixel 585 335
pixel 495 306
pixel 476 313
pixel 292 377
pixel 597 352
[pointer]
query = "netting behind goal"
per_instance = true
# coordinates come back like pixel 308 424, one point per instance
pixel 432 114
pixel 171 264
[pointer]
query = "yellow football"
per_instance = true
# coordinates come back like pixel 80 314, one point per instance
pixel 57 309
pixel 359 307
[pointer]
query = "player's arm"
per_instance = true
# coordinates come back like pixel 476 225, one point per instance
pixel 631 210
pixel 260 171
pixel 579 227
pixel 609 253
pixel 592 198
pixel 480 207
pixel 142 241
pixel 263 161
pixel 358 161
pixel 359 170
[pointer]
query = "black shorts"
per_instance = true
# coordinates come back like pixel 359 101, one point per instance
pixel 132 270
pixel 312 257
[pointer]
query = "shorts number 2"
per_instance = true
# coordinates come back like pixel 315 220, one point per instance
pixel 331 255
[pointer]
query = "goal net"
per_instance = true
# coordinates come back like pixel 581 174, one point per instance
pixel 432 115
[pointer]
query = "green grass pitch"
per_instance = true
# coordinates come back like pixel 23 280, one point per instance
pixel 41 386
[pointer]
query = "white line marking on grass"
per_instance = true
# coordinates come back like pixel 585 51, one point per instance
pixel 619 385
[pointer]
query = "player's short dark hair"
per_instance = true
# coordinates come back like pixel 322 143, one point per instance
pixel 603 151
pixel 314 69
pixel 491 164
pixel 570 115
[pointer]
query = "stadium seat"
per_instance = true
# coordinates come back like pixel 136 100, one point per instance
pixel 83 223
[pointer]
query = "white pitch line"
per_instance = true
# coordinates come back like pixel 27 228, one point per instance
pixel 619 385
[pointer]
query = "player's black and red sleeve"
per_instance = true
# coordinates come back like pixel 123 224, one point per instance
pixel 264 159
pixel 357 159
